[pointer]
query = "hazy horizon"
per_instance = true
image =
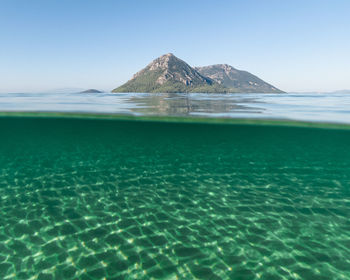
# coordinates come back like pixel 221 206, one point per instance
pixel 296 46
pixel 79 89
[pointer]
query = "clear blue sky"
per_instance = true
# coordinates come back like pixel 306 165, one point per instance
pixel 297 45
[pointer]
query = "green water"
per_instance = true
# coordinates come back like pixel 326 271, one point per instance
pixel 124 199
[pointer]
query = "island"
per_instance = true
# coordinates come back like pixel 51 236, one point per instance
pixel 170 74
pixel 92 90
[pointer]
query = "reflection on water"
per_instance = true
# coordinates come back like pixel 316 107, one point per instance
pixel 176 104
pixel 307 107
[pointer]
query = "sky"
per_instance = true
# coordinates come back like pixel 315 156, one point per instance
pixel 296 45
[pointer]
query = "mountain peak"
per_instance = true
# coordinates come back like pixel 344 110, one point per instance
pixel 218 68
pixel 169 68
pixel 163 62
pixel 168 55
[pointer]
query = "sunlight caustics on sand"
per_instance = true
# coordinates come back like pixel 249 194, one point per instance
pixel 123 199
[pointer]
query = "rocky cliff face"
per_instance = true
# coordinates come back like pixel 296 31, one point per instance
pixel 171 74
pixel 171 68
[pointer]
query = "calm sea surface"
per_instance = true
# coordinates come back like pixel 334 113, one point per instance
pixel 111 197
pixel 307 107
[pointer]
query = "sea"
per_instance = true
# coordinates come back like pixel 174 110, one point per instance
pixel 174 186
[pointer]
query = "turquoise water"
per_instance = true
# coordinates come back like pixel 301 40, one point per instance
pixel 89 198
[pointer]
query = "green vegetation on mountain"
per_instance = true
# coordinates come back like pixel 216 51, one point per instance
pixel 148 83
pixel 170 74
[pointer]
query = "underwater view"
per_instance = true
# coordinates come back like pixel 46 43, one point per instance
pixel 87 196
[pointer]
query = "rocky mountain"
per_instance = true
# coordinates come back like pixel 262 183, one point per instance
pixel 170 74
pixel 238 80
